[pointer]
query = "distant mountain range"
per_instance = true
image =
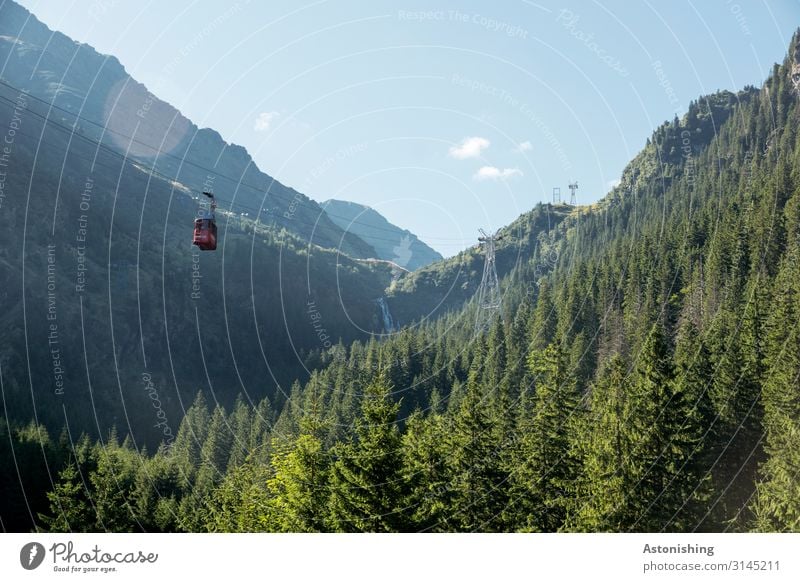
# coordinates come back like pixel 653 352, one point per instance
pixel 391 242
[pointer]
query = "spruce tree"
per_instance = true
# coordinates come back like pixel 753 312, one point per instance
pixel 240 503
pixel 692 486
pixel 112 483
pixel 368 491
pixel 608 475
pixel 545 470
pixel 479 480
pixel 299 483
pixel 70 508
pixel 426 471
pixel 777 506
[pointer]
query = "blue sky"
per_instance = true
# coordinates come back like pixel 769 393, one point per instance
pixel 444 116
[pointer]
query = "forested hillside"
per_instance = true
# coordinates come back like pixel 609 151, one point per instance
pixel 529 248
pixel 643 377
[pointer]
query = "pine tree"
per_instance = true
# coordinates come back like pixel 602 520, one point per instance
pixel 543 322
pixel 777 506
pixel 299 482
pixel 262 422
pixel 210 471
pixel 545 469
pixel 299 487
pixel 156 491
pixel 426 471
pixel 240 503
pixel 691 486
pixel 654 422
pixel 608 475
pixel 737 355
pixel 70 508
pixel 368 492
pixel 502 403
pixel 638 461
pixel 478 493
pixel 517 376
pixel 189 440
pixel 241 421
pixel 112 484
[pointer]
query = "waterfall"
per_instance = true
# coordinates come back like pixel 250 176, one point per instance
pixel 388 323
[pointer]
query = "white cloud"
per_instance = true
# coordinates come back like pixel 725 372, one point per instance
pixel 470 147
pixel 264 120
pixel 613 184
pixel 492 173
pixel 525 146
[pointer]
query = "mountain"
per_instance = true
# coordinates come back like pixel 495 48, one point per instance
pixel 93 94
pixel 528 249
pixel 390 242
pixel 97 243
pixel 640 376
pixel 107 246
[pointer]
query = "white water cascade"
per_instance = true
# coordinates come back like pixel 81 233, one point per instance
pixel 388 322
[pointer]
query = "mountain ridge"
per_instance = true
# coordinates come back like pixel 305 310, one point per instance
pixel 391 242
pixel 96 95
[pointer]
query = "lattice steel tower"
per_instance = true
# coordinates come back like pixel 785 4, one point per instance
pixel 489 298
pixel 556 195
pixel 573 187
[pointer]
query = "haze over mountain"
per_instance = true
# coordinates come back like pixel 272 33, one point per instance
pixel 391 242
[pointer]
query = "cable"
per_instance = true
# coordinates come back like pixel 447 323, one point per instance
pixel 297 202
pixel 129 160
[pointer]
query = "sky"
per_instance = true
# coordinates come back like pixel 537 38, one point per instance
pixel 444 116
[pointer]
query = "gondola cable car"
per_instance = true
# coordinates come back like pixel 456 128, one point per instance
pixel 205 227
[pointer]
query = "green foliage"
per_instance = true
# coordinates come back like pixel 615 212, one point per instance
pixel 478 476
pixel 367 486
pixel 778 502
pixel 545 467
pixel 608 476
pixel 299 487
pixel 69 506
pixel 427 472
pixel 241 502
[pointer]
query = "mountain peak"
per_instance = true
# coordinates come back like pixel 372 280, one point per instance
pixel 391 242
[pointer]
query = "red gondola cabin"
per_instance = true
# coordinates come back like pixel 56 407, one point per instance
pixel 205 234
pixel 205 227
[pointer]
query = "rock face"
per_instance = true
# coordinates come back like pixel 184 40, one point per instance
pixel 795 70
pixel 390 242
pixel 93 95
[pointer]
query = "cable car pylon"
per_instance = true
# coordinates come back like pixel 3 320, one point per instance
pixel 490 301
